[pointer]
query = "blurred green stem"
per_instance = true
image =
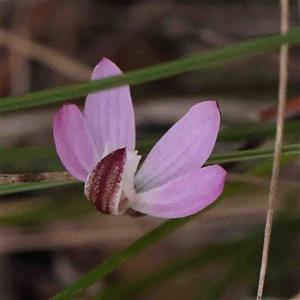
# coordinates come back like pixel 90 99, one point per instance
pixel 242 261
pixel 237 133
pixel 235 156
pixel 198 61
pixel 119 258
pixel 175 268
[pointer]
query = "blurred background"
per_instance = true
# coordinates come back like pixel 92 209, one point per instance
pixel 49 238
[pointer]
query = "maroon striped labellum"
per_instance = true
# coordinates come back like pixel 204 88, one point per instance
pixel 104 184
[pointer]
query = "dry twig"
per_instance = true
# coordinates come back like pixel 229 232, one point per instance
pixel 35 177
pixel 278 146
pixel 65 176
pixel 46 56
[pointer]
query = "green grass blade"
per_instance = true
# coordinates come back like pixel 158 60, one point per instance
pixel 247 260
pixel 236 156
pixel 119 258
pixel 248 247
pixel 201 60
pixel 175 268
pixel 243 261
pixel 244 155
pixel 141 244
pixel 240 133
pixel 28 153
pixel 6 189
pixel 237 133
pixel 48 210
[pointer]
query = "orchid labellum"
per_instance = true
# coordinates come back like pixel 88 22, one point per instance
pixel 98 148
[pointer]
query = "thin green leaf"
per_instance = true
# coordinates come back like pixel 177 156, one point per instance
pixel 264 168
pixel 201 60
pixel 247 260
pixel 26 154
pixel 173 269
pixel 53 210
pixel 46 211
pixel 119 258
pixel 238 250
pixel 240 133
pixel 236 156
pixel 237 133
pixel 242 263
pixel 244 155
pixel 6 189
pixel 141 244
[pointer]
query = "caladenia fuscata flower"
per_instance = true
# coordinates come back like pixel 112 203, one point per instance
pixel 98 148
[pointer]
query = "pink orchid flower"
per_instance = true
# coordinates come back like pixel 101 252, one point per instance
pixel 99 149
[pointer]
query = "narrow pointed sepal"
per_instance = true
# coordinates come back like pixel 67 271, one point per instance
pixel 104 184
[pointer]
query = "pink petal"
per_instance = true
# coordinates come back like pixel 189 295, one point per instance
pixel 73 143
pixel 109 114
pixel 183 196
pixel 183 149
